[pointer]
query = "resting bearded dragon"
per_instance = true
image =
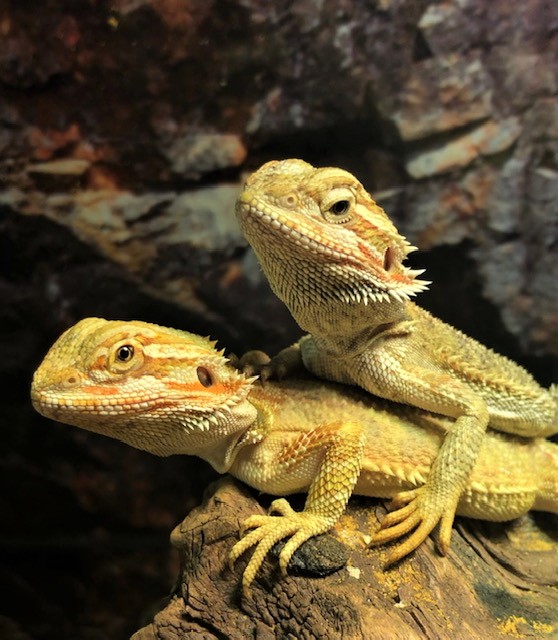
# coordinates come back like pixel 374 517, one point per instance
pixel 170 392
pixel 336 260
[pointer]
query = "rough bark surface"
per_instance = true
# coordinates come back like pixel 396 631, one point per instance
pixel 497 582
pixel 126 128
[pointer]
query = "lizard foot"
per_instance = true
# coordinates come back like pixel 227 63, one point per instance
pixel 254 363
pixel 285 364
pixel 268 530
pixel 419 510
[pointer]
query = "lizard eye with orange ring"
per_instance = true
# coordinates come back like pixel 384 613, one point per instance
pixel 125 355
pixel 204 376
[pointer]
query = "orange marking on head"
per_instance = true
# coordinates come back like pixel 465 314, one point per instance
pixel 400 277
pixel 196 387
pixel 99 363
pixel 184 386
pixel 101 391
pixel 371 232
pixel 367 252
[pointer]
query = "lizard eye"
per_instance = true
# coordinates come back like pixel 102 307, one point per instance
pixel 126 356
pixel 337 205
pixel 204 376
pixel 125 353
pixel 340 208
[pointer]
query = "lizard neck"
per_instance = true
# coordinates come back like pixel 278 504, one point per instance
pixel 350 318
pixel 325 301
pixel 232 433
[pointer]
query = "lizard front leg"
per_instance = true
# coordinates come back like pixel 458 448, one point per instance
pixel 340 448
pixel 397 374
pixel 285 364
pixel 435 503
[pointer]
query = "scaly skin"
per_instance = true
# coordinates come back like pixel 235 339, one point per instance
pixel 336 260
pixel 170 392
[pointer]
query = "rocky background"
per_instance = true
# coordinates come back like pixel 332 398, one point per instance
pixel 126 128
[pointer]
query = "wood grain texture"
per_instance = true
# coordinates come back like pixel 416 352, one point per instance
pixel 498 581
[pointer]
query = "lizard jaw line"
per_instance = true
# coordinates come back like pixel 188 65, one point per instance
pixel 47 404
pixel 275 223
pixel 55 407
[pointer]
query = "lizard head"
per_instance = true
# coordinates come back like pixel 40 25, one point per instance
pixel 158 389
pixel 322 220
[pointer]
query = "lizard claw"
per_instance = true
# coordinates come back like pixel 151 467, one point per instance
pixel 268 530
pixel 285 364
pixel 253 363
pixel 418 510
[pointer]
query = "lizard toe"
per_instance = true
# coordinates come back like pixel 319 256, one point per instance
pixel 256 561
pixel 281 507
pixel 410 544
pixel 270 529
pixel 253 362
pixel 403 498
pixel 252 523
pixel 424 511
pixel 395 517
pixel 443 538
pixel 397 530
pixel 243 544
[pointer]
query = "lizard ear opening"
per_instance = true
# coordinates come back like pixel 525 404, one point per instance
pixel 388 258
pixel 204 376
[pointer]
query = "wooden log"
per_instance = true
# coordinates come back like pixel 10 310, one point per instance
pixel 498 581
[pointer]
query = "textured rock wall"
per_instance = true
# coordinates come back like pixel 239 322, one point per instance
pixel 126 127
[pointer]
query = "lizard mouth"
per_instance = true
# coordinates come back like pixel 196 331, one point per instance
pixel 52 406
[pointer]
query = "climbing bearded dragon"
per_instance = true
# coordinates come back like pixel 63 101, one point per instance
pixel 170 392
pixel 336 260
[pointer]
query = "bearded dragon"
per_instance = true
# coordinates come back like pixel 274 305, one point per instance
pixel 333 256
pixel 170 392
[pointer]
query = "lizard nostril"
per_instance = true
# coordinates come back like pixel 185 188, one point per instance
pixel 71 381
